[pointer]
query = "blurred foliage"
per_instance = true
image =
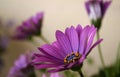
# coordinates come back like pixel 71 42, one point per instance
pixel 113 70
pixel 69 73
pixel 90 60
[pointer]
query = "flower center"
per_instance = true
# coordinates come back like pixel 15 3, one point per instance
pixel 70 58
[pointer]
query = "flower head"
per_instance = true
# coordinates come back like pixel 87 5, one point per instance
pixel 22 67
pixel 30 27
pixel 68 51
pixel 52 75
pixel 96 10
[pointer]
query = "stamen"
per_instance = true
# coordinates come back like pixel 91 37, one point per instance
pixel 70 58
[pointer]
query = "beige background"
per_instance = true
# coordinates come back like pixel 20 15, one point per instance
pixel 60 14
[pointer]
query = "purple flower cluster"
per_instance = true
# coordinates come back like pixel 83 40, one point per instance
pixel 30 27
pixel 68 51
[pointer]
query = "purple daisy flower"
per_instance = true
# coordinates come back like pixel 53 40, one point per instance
pixel 53 75
pixel 22 67
pixel 30 27
pixel 69 51
pixel 96 8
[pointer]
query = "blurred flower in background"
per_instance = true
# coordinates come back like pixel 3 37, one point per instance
pixel 22 67
pixel 4 39
pixel 3 43
pixel 1 64
pixel 96 10
pixel 69 51
pixel 30 27
pixel 53 75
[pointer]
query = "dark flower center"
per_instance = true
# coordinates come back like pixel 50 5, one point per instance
pixel 70 58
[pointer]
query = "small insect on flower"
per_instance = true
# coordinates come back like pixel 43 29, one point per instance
pixel 68 51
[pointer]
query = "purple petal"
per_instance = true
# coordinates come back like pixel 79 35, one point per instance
pixel 82 59
pixel 21 62
pixel 57 45
pixel 63 41
pixel 56 70
pixel 105 6
pixel 73 37
pixel 83 39
pixel 91 35
pixel 53 51
pixel 79 30
pixel 42 58
pixel 72 64
pixel 50 56
pixel 94 45
pixel 42 66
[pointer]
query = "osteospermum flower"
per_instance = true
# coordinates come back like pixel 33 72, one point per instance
pixel 30 27
pixel 96 10
pixel 22 67
pixel 53 75
pixel 68 51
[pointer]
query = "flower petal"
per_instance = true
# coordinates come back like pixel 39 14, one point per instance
pixel 42 66
pixel 56 70
pixel 83 39
pixel 91 35
pixel 105 6
pixel 49 53
pixel 73 37
pixel 57 45
pixel 95 44
pixel 42 58
pixel 79 30
pixel 50 56
pixel 64 42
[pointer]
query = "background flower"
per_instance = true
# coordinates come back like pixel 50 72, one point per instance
pixel 96 10
pixel 30 27
pixel 22 67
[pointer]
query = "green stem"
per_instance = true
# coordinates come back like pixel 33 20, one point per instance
pixel 80 73
pixel 117 58
pixel 44 39
pixel 100 51
pixel 100 54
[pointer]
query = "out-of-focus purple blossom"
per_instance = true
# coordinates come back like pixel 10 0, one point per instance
pixel 69 51
pixel 3 43
pixel 1 64
pixel 96 10
pixel 30 27
pixel 22 67
pixel 53 75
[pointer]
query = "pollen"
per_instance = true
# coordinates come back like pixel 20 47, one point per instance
pixel 70 58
